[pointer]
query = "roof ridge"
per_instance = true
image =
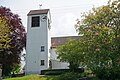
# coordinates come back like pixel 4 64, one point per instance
pixel 39 11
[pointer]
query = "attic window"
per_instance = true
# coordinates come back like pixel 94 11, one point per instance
pixel 36 21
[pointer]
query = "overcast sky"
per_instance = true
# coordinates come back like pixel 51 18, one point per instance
pixel 63 12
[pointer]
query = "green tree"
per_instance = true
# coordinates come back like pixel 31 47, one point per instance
pixel 12 40
pixel 16 69
pixel 101 40
pixel 70 53
pixel 4 34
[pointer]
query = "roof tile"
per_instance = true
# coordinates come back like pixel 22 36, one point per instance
pixel 36 12
pixel 57 41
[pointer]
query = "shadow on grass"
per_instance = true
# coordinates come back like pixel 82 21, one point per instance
pixel 51 77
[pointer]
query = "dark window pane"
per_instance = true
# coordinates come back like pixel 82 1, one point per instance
pixel 36 21
pixel 42 62
pixel 42 48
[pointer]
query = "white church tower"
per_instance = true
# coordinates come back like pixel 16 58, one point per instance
pixel 38 41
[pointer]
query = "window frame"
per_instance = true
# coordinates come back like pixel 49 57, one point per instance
pixel 42 62
pixel 35 21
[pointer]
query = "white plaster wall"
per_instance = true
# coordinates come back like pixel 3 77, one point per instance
pixel 49 45
pixel 56 64
pixel 36 37
pixel 53 54
pixel 59 65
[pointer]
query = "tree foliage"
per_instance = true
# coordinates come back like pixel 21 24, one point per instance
pixel 70 53
pixel 4 34
pixel 13 31
pixel 16 68
pixel 101 40
pixel 105 15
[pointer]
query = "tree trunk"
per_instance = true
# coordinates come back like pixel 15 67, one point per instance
pixel 3 65
pixel 3 69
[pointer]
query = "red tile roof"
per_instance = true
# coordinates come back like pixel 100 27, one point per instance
pixel 56 41
pixel 36 12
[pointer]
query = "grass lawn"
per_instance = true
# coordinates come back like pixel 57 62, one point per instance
pixel 34 77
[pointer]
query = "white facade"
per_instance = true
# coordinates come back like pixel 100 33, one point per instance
pixel 56 64
pixel 37 38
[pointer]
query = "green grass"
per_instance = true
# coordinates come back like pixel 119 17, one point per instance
pixel 34 77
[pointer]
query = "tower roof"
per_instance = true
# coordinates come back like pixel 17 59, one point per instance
pixel 36 12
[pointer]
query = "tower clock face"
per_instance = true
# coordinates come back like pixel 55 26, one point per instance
pixel 43 18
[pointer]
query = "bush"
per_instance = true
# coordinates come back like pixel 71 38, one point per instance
pixel 53 72
pixel 59 71
pixel 108 74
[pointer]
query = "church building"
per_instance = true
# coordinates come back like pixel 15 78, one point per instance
pixel 40 47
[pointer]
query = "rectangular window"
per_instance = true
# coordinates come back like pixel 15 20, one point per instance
pixel 42 48
pixel 36 21
pixel 42 62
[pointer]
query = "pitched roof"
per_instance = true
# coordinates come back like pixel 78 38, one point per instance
pixel 36 12
pixel 56 41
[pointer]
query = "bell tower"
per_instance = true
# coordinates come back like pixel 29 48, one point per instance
pixel 38 41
